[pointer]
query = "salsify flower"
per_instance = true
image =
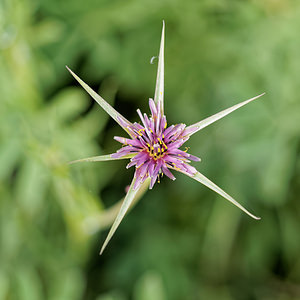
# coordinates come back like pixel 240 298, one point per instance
pixel 153 147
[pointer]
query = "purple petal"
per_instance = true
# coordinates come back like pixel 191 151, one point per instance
pixel 130 142
pixel 167 172
pixel 153 108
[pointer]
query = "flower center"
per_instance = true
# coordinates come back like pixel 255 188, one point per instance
pixel 157 149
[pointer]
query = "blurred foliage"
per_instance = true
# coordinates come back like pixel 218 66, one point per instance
pixel 181 241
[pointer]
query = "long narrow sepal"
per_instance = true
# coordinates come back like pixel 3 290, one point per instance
pixel 125 206
pixel 205 181
pixel 122 121
pixel 100 158
pixel 159 87
pixel 202 179
pixel 200 125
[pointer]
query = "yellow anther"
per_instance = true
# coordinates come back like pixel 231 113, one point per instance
pixel 175 167
pixel 163 136
pixel 140 131
pixel 165 125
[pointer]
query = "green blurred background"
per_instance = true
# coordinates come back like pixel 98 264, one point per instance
pixel 181 241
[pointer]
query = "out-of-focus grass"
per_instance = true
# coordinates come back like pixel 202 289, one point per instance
pixel 181 241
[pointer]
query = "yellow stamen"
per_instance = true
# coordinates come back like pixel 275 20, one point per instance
pixel 175 167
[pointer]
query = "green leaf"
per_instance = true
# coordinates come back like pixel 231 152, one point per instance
pixel 4 285
pixel 159 87
pixel 9 153
pixel 28 283
pixel 101 220
pixel 150 286
pixel 66 104
pixel 68 284
pixel 31 185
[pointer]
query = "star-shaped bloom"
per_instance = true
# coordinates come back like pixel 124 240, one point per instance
pixel 153 147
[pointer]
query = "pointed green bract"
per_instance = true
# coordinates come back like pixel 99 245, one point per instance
pixel 99 158
pixel 125 206
pixel 200 125
pixel 205 181
pixel 159 87
pixel 202 179
pixel 106 106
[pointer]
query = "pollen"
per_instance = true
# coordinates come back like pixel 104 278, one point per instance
pixel 156 150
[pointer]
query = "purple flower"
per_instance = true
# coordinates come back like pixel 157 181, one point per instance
pixel 153 147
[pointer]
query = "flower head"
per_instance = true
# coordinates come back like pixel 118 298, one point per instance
pixel 153 147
